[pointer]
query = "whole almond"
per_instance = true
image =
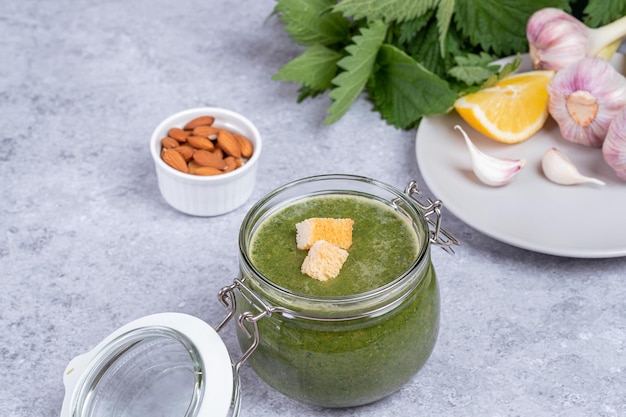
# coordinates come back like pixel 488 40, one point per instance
pixel 185 151
pixel 179 134
pixel 219 152
pixel 200 143
pixel 227 142
pixel 175 160
pixel 244 144
pixel 193 166
pixel 231 164
pixel 208 159
pixel 169 142
pixel 206 131
pixel 207 171
pixel 199 121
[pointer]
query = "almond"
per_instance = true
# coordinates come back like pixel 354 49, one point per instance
pixel 193 166
pixel 208 159
pixel 200 143
pixel 199 121
pixel 169 142
pixel 185 151
pixel 175 160
pixel 207 171
pixel 219 152
pixel 206 132
pixel 179 134
pixel 244 144
pixel 231 164
pixel 238 163
pixel 227 142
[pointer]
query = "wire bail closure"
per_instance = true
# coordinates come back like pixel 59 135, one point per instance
pixel 438 235
pixel 227 298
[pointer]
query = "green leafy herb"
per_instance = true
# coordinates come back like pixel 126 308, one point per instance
pixel 387 10
pixel 413 57
pixel 602 12
pixel 403 88
pixel 357 68
pixel 315 68
pixel 311 22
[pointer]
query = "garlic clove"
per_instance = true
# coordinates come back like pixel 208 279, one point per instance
pixel 490 170
pixel 614 146
pixel 559 169
pixel 584 98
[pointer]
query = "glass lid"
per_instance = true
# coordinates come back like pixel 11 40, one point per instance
pixel 166 365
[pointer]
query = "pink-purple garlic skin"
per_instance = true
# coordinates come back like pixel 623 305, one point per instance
pixel 584 99
pixel 556 39
pixel 491 170
pixel 614 146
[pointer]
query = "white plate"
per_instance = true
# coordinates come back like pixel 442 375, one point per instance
pixel 582 221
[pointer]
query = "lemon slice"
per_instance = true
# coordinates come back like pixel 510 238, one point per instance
pixel 510 111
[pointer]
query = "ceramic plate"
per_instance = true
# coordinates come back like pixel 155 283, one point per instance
pixel 582 221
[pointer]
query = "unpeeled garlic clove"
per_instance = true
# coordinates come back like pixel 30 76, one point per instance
pixel 559 169
pixel 614 146
pixel 490 170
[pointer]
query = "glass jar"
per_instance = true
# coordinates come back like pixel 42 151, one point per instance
pixel 339 351
pixel 328 351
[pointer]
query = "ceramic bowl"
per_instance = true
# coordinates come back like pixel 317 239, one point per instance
pixel 207 195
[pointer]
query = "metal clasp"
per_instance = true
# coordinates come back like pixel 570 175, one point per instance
pixel 438 235
pixel 227 298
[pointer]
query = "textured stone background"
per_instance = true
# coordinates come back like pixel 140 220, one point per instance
pixel 87 244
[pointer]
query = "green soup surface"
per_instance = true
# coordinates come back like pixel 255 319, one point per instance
pixel 384 245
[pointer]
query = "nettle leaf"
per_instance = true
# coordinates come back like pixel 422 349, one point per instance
pixel 601 12
pixel 425 50
pixel 473 69
pixel 506 70
pixel 314 68
pixel 445 10
pixel 387 10
pixel 407 30
pixel 404 91
pixel 481 59
pixel 470 75
pixel 499 25
pixel 310 22
pixel 357 66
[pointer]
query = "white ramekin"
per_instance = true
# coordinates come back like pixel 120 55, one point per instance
pixel 206 195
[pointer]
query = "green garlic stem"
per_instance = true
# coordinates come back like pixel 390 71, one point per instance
pixel 603 36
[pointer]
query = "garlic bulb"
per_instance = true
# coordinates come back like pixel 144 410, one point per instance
pixel 492 171
pixel 557 40
pixel 559 169
pixel 614 146
pixel 584 98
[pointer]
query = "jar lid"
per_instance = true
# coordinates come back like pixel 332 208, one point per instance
pixel 169 364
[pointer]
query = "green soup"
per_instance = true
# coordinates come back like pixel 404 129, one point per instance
pixel 384 246
pixel 359 355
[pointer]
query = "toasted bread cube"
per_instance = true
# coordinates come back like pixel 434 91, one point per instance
pixel 336 231
pixel 324 261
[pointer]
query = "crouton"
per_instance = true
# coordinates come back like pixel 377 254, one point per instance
pixel 336 231
pixel 324 261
